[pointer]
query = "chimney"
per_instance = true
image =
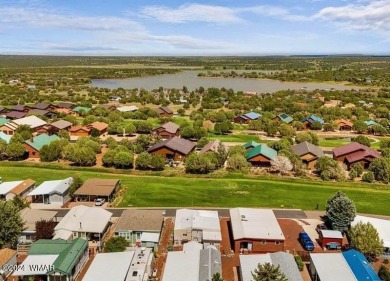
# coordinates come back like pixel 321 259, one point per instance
pixel 80 225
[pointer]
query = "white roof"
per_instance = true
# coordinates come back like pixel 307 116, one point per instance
pixel 248 263
pixel 31 121
pixel 192 246
pixel 331 234
pixel 332 266
pixel 198 219
pixel 255 224
pixel 182 266
pixel 150 237
pixel 382 226
pixel 49 187
pixel 85 219
pixel 6 187
pixel 109 266
pixel 63 234
pixel 32 264
pixel 127 108
pixel 140 265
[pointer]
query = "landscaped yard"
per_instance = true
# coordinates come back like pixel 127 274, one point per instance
pixel 157 191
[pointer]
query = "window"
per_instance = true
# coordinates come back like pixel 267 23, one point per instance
pixel 277 242
pixel 264 242
pixel 185 235
pixel 138 235
pixel 33 153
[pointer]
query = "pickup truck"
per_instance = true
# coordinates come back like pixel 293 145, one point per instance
pixel 306 242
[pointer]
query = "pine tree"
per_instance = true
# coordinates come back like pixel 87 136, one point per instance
pixel 268 272
pixel 340 211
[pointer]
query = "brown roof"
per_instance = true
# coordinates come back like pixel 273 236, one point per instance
pixel 40 112
pixel 20 107
pixel 78 128
pixel 15 114
pixel 164 109
pixel 61 124
pixel 170 127
pixel 65 105
pixel 346 122
pixel 177 144
pixel 355 151
pixel 31 216
pixel 98 187
pixel 211 146
pixel 305 148
pixel 22 187
pixel 100 126
pixel 137 220
pixel 42 105
pixel 5 255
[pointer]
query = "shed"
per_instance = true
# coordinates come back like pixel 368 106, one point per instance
pixel 97 188
pixel 330 236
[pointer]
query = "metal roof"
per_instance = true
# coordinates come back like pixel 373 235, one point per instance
pixel 331 234
pixel 252 115
pixel 261 149
pixel 150 237
pixel 331 267
pixel 250 144
pixel 35 265
pixel 31 121
pixel 248 223
pixel 98 187
pixel 61 124
pixel 177 144
pixel 360 266
pixel 127 108
pixel 39 141
pixel 49 187
pixel 6 187
pixel 307 147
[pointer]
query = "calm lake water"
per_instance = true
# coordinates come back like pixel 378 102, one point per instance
pixel 192 81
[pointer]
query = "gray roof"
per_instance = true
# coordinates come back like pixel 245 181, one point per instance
pixel 65 105
pixel 42 105
pixel 31 216
pixel 164 109
pixel 211 146
pixel 212 258
pixel 177 144
pixel 287 265
pixel 61 124
pixel 170 127
pixel 306 147
pixel 140 220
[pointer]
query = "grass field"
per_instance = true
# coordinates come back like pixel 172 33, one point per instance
pixel 236 138
pixel 237 190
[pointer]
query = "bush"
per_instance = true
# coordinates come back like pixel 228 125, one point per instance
pixel 237 162
pixel 116 244
pixel 385 261
pixel 368 177
pixel 384 273
pixel 299 262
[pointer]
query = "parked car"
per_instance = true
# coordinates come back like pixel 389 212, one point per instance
pixel 100 201
pixel 306 242
pixel 321 226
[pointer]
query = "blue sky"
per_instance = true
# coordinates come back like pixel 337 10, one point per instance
pixel 175 27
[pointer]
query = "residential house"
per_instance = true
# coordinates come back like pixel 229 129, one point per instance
pixel 45 106
pixel 14 114
pixel 308 152
pixel 10 189
pixel 249 145
pixel 197 225
pixel 192 264
pixel 355 153
pixel 175 148
pixel 84 131
pixel 60 125
pixel 34 144
pixel 285 261
pixel 54 193
pixel 256 231
pixel 164 112
pixel 80 109
pixel 330 236
pixel 247 117
pixel 167 130
pixel 33 122
pixel 343 125
pixel 21 108
pixel 347 266
pixel 127 108
pixel 8 260
pixel 42 112
pixel 115 98
pixel 140 227
pixel 65 105
pixel 80 131
pixel 30 218
pixel 5 137
pixel 283 117
pixel 212 146
pixel 307 122
pixel 97 188
pixel 100 127
pixel 261 155
pixel 89 223
pixel 55 259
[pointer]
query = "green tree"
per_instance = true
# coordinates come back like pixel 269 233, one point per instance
pixel 358 168
pixel 64 134
pixel 368 177
pixel 384 273
pixel 11 225
pixel 158 162
pixel 340 211
pixel 286 130
pixel 200 163
pixel 24 131
pixel 17 138
pixel 143 142
pixel 202 142
pixel 143 161
pixel 380 167
pixel 15 151
pixel 130 129
pixel 365 238
pixel 111 143
pixel 217 277
pixel 20 202
pixel 123 160
pixel 108 158
pixel 359 126
pixel 237 149
pixel 316 126
pixel 77 182
pixel 307 136
pixel 116 244
pixel 363 140
pixel 53 151
pixel 3 149
pixel 268 272
pixel 237 162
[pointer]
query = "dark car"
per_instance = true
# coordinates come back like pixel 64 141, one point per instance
pixel 306 242
pixel 321 226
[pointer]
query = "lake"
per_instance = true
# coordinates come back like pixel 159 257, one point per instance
pixel 192 82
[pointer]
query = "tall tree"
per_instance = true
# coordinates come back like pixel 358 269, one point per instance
pixel 44 229
pixel 365 238
pixel 11 225
pixel 340 211
pixel 116 244
pixel 268 272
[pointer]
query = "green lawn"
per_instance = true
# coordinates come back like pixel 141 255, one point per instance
pixel 236 138
pixel 340 142
pixel 237 190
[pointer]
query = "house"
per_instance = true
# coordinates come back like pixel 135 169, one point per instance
pixel 8 190
pixel 79 109
pixel 30 217
pixel 175 148
pixel 55 258
pixel 67 105
pixel 60 125
pixel 308 152
pixel 89 223
pixel 97 188
pixel 192 264
pixel 55 193
pixel 382 227
pixel 34 144
pixel 247 117
pixel 14 114
pixel 8 128
pixel 329 236
pixel 261 155
pixel 307 122
pixel 256 231
pixel 164 112
pixel 347 266
pixel 21 108
pixel 101 127
pixel 283 117
pixel 5 137
pixel 197 225
pixel 285 261
pixel 355 153
pixel 84 131
pixel 7 262
pixel 211 146
pixel 343 125
pixel 140 227
pixel 42 112
pixel 33 122
pixel 167 130
pixel 249 145
pixel 127 108
pixel 45 106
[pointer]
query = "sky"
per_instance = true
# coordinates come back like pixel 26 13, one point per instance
pixel 200 28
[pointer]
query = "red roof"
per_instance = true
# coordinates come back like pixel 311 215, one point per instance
pixel 355 152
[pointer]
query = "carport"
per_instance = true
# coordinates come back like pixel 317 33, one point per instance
pixel 97 188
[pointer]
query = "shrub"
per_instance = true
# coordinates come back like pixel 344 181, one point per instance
pixel 385 261
pixel 368 177
pixel 299 262
pixel 384 273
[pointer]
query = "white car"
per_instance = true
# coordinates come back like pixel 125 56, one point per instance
pixel 100 201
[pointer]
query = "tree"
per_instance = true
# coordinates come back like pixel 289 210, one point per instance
pixel 64 134
pixel 108 158
pixel 16 138
pixel 286 130
pixel 316 125
pixel 123 160
pixel 380 167
pixel 358 168
pixel 116 244
pixel 24 131
pixel 77 182
pixel 217 277
pixel 143 161
pixel 363 140
pixel 384 273
pixel 360 127
pixel 200 163
pixel 202 142
pixel 268 272
pixel 53 151
pixel 44 229
pixel 11 225
pixel 20 202
pixel 307 136
pixel 282 164
pixel 340 211
pixel 368 177
pixel 237 162
pixel 329 169
pixel 15 151
pixel 129 129
pixel 158 162
pixel 237 149
pixel 221 155
pixel 3 149
pixel 365 238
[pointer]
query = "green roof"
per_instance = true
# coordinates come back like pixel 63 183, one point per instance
pixel 249 144
pixel 261 149
pixel 285 118
pixel 3 121
pixel 68 252
pixel 79 108
pixel 41 140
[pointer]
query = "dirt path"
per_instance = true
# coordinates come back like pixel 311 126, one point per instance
pixel 162 252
